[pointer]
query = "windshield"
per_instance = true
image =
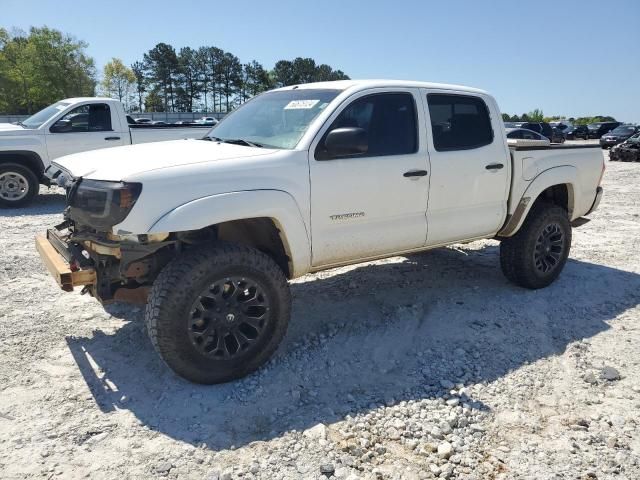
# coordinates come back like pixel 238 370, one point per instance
pixel 624 130
pixel 37 119
pixel 594 126
pixel 274 119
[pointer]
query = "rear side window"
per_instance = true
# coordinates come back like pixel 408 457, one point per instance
pixel 389 120
pixel 459 122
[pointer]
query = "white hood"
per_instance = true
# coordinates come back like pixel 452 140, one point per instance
pixel 9 127
pixel 120 163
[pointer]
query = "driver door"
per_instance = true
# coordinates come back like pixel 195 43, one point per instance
pixel 371 204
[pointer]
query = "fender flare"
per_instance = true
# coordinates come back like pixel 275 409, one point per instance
pixel 563 175
pixel 33 160
pixel 277 205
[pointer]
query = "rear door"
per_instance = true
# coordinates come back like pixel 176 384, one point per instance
pixel 372 203
pixel 470 167
pixel 86 127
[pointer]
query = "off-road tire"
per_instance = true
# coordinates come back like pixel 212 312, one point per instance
pixel 169 310
pixel 32 184
pixel 517 253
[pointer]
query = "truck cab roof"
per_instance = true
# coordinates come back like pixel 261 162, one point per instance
pixel 87 99
pixel 373 83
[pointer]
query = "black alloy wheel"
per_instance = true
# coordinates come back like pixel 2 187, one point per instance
pixel 229 317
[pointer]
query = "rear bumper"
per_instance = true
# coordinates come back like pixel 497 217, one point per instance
pixel 56 257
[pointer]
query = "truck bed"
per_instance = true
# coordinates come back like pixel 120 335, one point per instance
pixel 555 146
pixel 530 161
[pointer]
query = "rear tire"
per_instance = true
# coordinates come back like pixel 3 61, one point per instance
pixel 534 257
pixel 218 312
pixel 18 185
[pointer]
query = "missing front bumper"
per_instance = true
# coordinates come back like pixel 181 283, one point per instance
pixel 59 266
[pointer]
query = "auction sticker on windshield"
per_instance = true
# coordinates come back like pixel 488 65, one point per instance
pixel 301 104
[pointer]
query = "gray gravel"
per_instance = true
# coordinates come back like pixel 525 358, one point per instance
pixel 429 366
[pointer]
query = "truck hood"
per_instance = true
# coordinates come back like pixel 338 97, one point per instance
pixel 120 163
pixel 11 129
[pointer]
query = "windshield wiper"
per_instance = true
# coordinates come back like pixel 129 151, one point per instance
pixel 236 141
pixel 242 141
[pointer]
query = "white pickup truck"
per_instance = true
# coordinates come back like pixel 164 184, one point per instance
pixel 69 126
pixel 302 179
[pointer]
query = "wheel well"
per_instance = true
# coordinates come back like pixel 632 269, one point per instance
pixel 259 233
pixel 30 160
pixel 561 195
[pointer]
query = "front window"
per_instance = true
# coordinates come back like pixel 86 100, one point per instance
pixel 95 117
pixel 274 119
pixel 37 119
pixel 388 119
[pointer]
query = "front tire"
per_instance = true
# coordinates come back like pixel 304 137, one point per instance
pixel 18 185
pixel 534 257
pixel 218 312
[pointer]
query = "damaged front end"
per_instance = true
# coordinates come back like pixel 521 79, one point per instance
pixel 83 252
pixel 106 266
pixel 628 151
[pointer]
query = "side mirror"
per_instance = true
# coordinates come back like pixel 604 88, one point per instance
pixel 347 141
pixel 61 126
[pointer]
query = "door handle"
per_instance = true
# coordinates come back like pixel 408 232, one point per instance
pixel 494 166
pixel 415 173
pixel 111 138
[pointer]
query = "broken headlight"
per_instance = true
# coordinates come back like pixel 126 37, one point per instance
pixel 100 204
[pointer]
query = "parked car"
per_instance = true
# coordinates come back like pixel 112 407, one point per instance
pixel 143 120
pixel 577 131
pixel 68 126
pixel 618 135
pixel 209 231
pixel 525 134
pixel 562 125
pixel 627 151
pixel 206 121
pixel 557 135
pixel 596 130
pixel 541 127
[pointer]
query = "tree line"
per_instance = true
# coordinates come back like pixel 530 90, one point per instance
pixel 538 116
pixel 41 67
pixel 44 65
pixel 206 78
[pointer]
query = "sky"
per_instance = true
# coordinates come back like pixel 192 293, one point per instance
pixel 566 57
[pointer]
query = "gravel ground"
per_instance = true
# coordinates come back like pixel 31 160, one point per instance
pixel 419 367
